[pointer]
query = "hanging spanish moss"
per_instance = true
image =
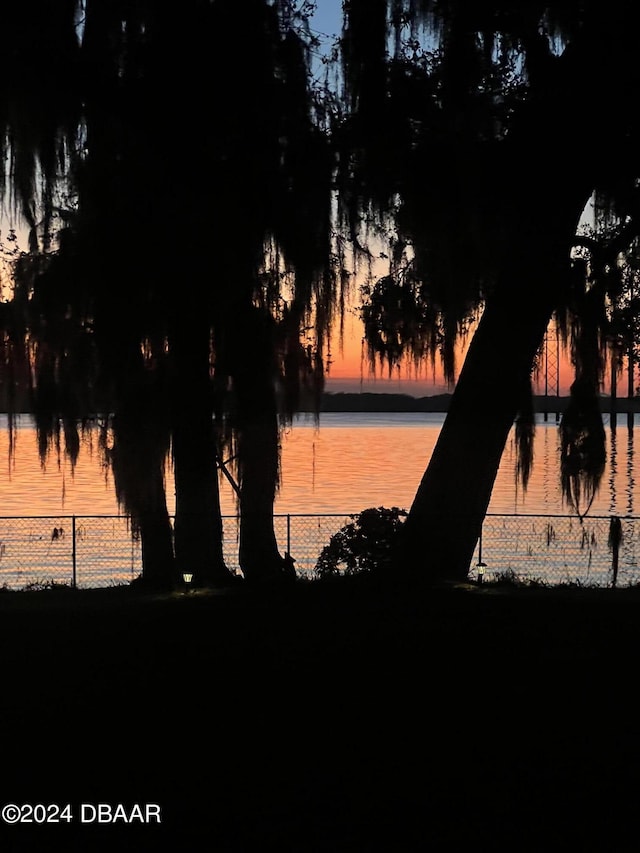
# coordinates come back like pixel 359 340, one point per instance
pixel 582 447
pixel 426 163
pixel 168 180
pixel 525 428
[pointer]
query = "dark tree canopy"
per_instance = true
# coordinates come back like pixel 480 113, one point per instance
pixel 178 194
pixel 469 125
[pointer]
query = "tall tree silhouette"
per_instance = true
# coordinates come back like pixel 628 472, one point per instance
pixel 481 131
pixel 175 146
pixel 174 150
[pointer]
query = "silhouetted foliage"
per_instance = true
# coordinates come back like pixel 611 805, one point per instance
pixel 181 196
pixel 582 448
pixel 367 544
pixel 459 155
pixel 175 187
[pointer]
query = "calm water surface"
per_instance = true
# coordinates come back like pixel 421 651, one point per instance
pixel 354 461
pixel 346 463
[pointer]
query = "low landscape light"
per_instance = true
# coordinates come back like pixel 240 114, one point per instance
pixel 187 577
pixel 481 570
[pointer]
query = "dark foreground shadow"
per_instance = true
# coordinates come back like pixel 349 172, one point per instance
pixel 329 722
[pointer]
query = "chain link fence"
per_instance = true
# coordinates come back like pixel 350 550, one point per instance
pixel 557 549
pixel 100 551
pixel 80 551
pixel 97 551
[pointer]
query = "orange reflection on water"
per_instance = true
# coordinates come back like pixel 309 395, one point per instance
pixel 357 461
pixel 29 488
pixel 350 463
pixel 353 462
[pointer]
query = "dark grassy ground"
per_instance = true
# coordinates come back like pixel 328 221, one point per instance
pixel 325 718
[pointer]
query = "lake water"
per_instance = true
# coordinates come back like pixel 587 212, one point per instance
pixel 344 464
pixel 355 461
pixel 349 462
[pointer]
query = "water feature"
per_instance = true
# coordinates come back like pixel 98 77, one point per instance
pixel 345 463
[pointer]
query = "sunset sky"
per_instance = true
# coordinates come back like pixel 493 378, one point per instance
pixel 350 372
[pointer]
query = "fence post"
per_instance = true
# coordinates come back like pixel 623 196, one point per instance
pixel 74 580
pixel 481 565
pixel 288 533
pixel 615 538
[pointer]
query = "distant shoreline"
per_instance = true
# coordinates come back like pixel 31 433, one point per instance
pixel 371 401
pixel 383 402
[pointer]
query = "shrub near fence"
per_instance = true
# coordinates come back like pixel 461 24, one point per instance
pixel 99 551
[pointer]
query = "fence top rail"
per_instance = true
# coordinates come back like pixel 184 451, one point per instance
pixel 571 516
pixel 346 514
pixel 71 517
pixel 60 517
pixel 125 516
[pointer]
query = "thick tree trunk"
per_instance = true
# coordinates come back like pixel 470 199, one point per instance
pixel 198 534
pixel 154 526
pixel 445 519
pixel 259 557
pixel 138 459
pixel 198 521
pixel 258 451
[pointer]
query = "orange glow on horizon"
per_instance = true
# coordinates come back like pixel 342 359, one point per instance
pixel 349 368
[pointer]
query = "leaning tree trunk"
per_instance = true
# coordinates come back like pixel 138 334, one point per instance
pixel 446 516
pixel 445 519
pixel 535 191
